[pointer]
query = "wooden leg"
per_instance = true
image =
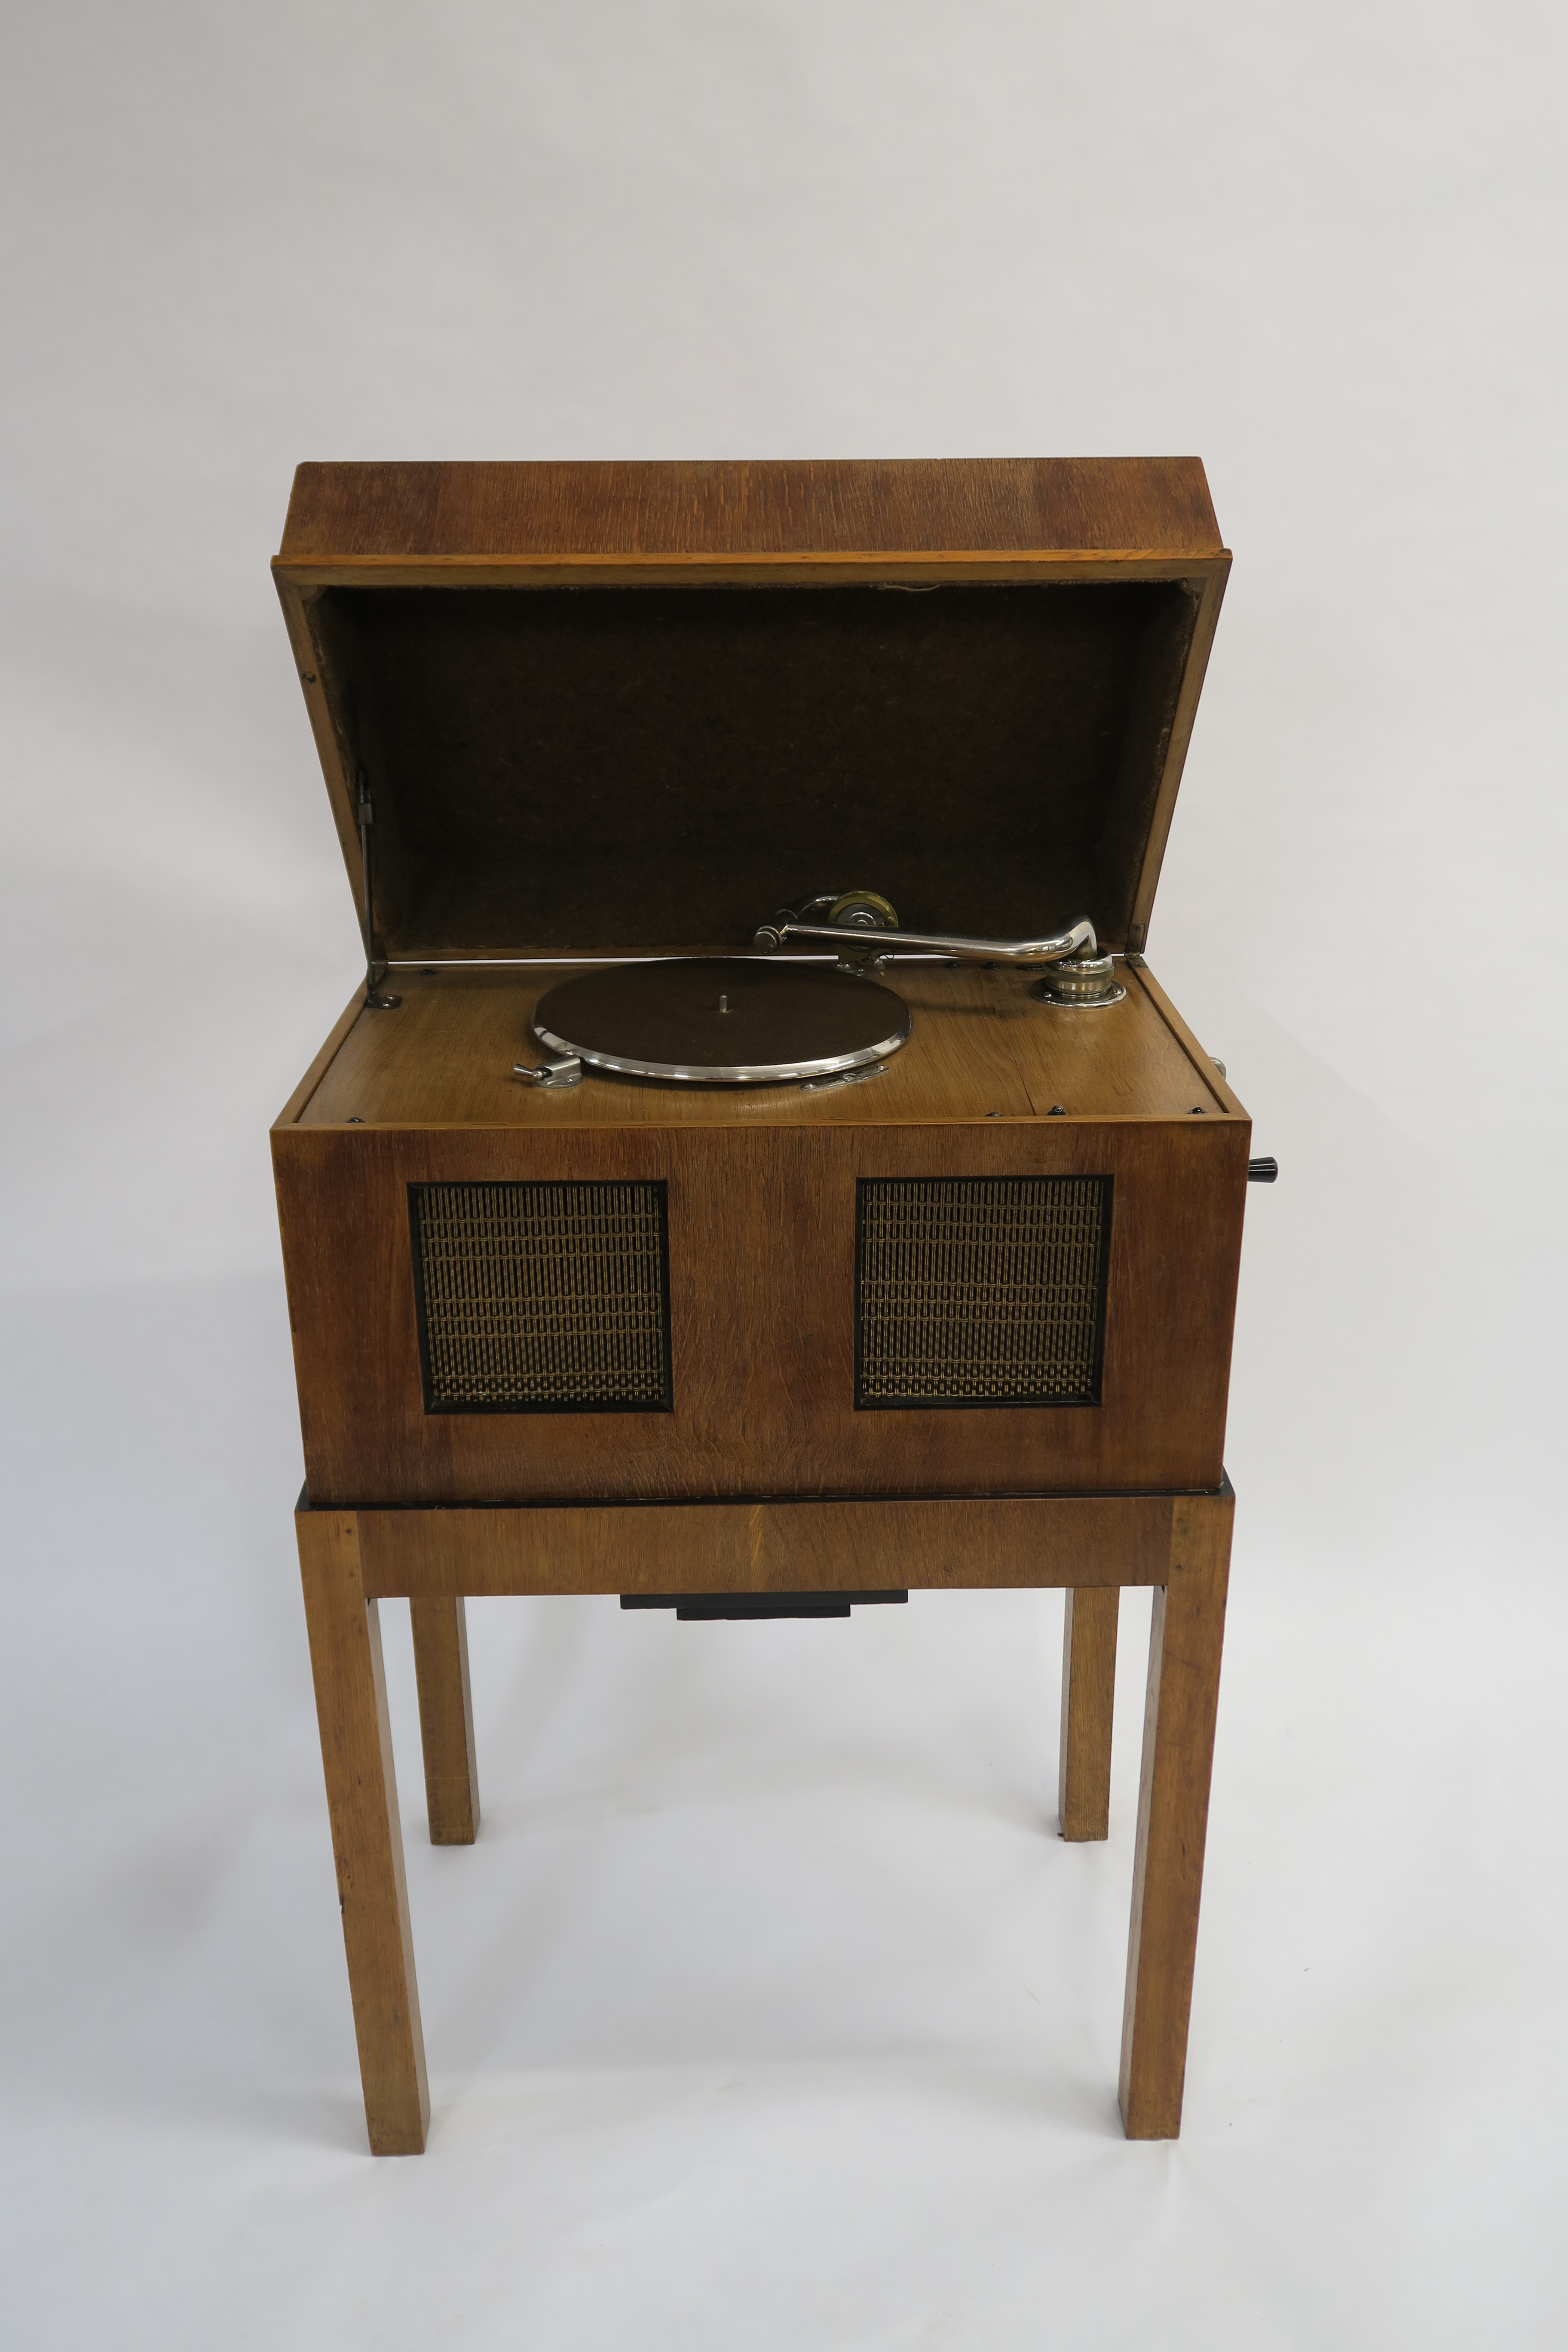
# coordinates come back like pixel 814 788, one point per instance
pixel 446 1719
pixel 1088 1694
pixel 1173 1815
pixel 367 1839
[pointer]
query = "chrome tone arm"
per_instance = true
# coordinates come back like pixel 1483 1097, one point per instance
pixel 1077 940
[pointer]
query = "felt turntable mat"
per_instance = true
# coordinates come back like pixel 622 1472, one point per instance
pixel 629 769
pixel 711 1016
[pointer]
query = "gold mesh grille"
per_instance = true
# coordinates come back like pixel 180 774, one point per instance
pixel 983 1290
pixel 542 1296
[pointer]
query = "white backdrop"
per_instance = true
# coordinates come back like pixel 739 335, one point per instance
pixel 768 2011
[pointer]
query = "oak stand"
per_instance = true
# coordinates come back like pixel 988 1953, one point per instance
pixel 1091 1545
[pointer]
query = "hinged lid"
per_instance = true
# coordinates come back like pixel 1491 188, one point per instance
pixel 616 709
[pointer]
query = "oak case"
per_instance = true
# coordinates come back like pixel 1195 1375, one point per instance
pixel 1038 785
pixel 624 711
pixel 761 1255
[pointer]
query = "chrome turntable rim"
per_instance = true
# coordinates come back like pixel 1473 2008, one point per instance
pixel 716 1021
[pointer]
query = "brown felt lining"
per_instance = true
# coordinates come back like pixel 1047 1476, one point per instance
pixel 602 769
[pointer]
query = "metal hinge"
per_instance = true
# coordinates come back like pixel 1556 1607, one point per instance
pixel 374 968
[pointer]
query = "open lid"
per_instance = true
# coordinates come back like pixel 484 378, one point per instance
pixel 620 708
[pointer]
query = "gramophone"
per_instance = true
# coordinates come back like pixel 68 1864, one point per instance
pixel 760 1174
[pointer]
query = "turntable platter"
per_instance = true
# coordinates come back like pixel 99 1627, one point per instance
pixel 721 1022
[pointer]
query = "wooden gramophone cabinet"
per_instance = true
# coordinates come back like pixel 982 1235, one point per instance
pixel 602 711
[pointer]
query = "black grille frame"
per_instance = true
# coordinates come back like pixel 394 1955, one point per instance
pixel 1087 1394
pixel 437 1393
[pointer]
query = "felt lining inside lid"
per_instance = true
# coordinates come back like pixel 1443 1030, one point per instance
pixel 604 769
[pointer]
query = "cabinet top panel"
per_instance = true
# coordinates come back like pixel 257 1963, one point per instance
pixel 497 512
pixel 980 1048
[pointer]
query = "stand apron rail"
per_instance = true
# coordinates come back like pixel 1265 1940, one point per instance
pixel 1090 1545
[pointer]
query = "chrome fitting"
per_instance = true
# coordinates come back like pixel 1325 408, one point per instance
pixel 1080 979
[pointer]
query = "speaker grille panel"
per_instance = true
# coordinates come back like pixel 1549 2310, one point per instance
pixel 543 1297
pixel 981 1290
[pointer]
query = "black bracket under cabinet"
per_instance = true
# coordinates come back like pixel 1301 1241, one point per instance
pixel 700 1608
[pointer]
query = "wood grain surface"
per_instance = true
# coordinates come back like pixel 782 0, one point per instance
pixel 1089 1698
pixel 1186 1641
pixel 762 1286
pixel 367 1838
pixel 446 1718
pixel 333 749
pixel 764 1477
pixel 1091 1544
pixel 458 843
pixel 337 1037
pixel 1150 849
pixel 397 512
pixel 867 1543
pixel 980 1047
pixel 1201 1058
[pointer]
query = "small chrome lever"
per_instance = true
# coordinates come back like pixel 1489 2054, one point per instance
pixel 556 1070
pixel 843 1078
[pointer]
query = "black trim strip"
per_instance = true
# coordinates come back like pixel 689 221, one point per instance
pixel 701 1608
